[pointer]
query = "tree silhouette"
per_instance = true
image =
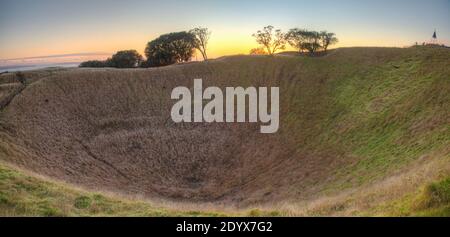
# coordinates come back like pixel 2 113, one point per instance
pixel 271 40
pixel 310 41
pixel 297 38
pixel 125 59
pixel 201 40
pixel 327 39
pixel 170 48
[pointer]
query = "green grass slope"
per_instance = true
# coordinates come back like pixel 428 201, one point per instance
pixel 27 195
pixel 364 131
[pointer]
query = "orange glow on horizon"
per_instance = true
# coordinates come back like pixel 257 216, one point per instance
pixel 221 43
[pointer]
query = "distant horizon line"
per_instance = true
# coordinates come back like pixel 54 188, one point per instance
pixel 106 53
pixel 58 56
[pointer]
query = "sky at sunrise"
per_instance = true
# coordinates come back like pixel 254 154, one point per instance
pixel 36 28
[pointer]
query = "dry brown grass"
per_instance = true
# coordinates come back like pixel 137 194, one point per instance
pixel 110 130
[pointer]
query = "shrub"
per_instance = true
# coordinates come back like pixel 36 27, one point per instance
pixel 82 202
pixel 122 59
pixel 21 77
pixel 93 63
pixel 435 194
pixel 125 59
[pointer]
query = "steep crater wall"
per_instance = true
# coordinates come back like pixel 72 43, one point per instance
pixel 111 129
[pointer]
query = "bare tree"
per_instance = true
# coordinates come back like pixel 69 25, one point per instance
pixel 327 39
pixel 271 40
pixel 201 40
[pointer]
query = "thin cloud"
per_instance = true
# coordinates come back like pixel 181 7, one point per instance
pixel 60 56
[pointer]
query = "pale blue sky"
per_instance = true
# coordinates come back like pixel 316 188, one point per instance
pixel 45 27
